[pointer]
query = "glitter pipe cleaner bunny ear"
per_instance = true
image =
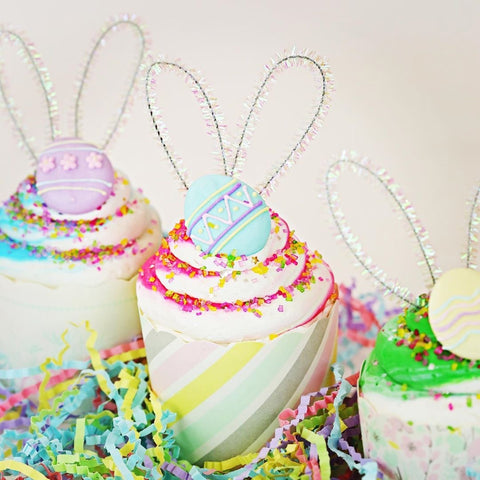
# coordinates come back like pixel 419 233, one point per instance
pixel 473 230
pixel 223 214
pixel 28 53
pixel 454 300
pixel 123 23
pixel 72 176
pixel 363 166
pixel 208 107
pixel 320 105
pixel 213 118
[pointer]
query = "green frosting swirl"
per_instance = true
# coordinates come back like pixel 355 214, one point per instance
pixel 407 356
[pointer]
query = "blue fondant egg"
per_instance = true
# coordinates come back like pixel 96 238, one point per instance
pixel 225 215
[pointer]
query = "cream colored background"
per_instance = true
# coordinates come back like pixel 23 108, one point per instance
pixel 406 77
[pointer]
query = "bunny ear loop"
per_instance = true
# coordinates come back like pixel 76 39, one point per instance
pixel 208 107
pixel 28 53
pixel 324 78
pixel 125 22
pixel 362 166
pixel 473 231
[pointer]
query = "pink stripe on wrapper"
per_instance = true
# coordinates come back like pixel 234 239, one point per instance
pixel 322 369
pixel 185 358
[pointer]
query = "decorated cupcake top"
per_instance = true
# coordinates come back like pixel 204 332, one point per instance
pixel 75 209
pixel 72 176
pixel 225 297
pixel 223 214
pixel 414 359
pixel 232 269
pixel 436 341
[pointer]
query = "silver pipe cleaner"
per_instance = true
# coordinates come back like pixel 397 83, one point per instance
pixel 473 227
pixel 113 27
pixel 419 232
pixel 29 54
pixel 208 107
pixel 304 59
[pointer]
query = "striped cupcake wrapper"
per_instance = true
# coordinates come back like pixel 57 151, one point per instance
pixel 227 397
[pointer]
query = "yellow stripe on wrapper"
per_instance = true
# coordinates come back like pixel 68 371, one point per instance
pixel 212 379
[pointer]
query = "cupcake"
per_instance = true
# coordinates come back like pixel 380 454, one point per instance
pixel 72 238
pixel 239 316
pixel 58 269
pixel 234 340
pixel 419 389
pixel 419 403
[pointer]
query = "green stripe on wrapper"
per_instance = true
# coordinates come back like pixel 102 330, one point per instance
pixel 255 427
pixel 206 385
pixel 226 415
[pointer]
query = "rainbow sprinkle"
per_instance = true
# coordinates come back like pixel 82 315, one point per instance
pixel 25 219
pixel 165 260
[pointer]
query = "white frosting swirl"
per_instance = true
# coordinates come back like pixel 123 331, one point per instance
pixel 40 244
pixel 225 299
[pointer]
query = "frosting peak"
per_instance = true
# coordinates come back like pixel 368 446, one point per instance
pixel 37 241
pixel 234 297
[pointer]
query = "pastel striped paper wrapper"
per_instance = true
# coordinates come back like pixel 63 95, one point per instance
pixel 227 397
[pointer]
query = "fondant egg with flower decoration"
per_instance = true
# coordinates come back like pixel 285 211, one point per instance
pixel 74 177
pixel 225 215
pixel 454 312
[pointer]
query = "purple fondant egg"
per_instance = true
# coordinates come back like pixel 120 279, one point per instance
pixel 74 177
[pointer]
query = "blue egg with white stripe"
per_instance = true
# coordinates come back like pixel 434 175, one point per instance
pixel 225 215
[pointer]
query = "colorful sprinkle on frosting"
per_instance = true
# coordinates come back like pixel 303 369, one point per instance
pixel 409 356
pixel 27 225
pixel 165 260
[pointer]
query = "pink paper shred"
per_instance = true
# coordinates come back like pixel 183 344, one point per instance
pixel 45 439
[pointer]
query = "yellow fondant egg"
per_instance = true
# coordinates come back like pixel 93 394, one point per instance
pixel 454 312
